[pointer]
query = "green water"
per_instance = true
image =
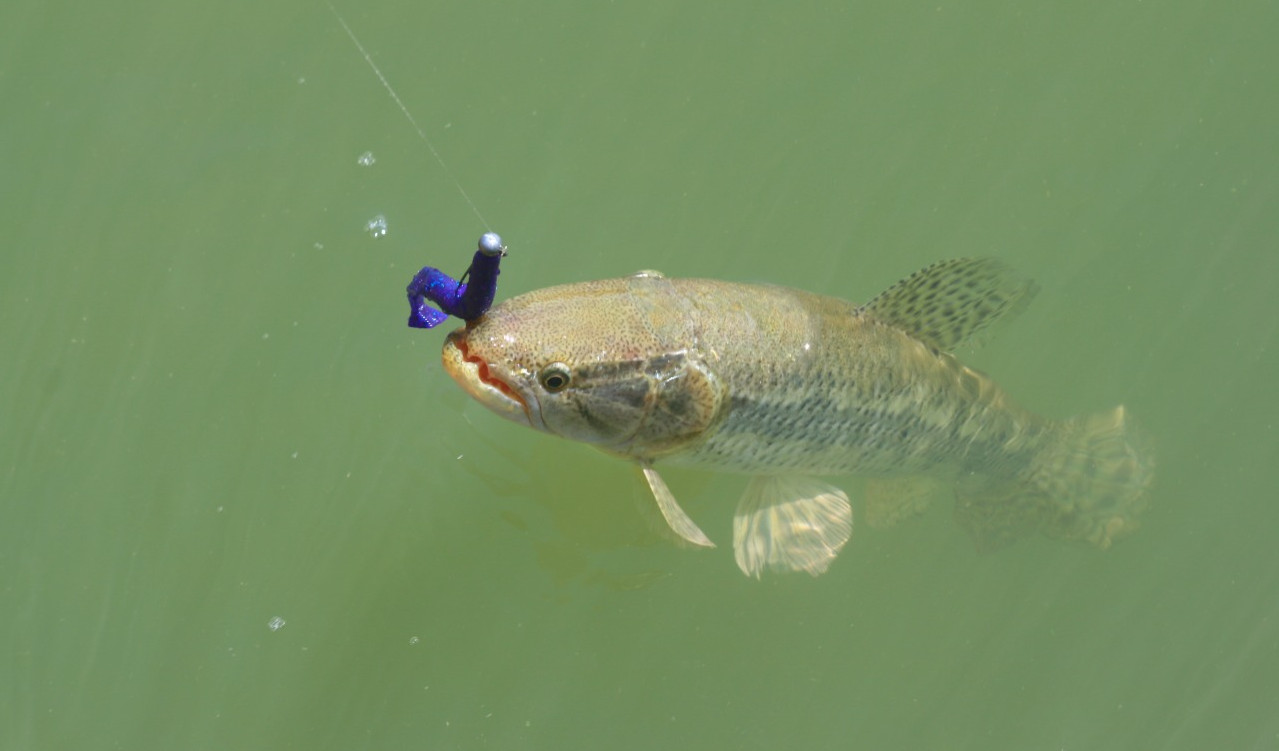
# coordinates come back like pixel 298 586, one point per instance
pixel 212 414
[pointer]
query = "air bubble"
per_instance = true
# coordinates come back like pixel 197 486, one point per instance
pixel 366 159
pixel 376 227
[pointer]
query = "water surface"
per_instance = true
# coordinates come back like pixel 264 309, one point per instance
pixel 241 505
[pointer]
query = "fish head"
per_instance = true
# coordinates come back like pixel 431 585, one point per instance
pixel 606 363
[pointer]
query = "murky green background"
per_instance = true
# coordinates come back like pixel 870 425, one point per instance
pixel 212 414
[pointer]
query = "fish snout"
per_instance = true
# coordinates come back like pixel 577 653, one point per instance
pixel 482 380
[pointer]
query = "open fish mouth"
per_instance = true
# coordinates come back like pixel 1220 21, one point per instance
pixel 477 378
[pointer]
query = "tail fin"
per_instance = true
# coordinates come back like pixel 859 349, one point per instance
pixel 1089 484
pixel 1099 475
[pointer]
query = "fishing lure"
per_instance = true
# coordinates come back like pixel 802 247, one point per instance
pixel 464 299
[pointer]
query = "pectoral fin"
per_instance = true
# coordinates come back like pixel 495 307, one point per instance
pixel 790 523
pixel 674 515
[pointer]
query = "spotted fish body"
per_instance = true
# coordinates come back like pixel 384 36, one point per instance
pixel 821 388
pixel 787 386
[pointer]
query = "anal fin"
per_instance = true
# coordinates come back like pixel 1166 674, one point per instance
pixel 890 500
pixel 997 514
pixel 790 523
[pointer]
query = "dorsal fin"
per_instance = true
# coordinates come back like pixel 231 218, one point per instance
pixel 948 303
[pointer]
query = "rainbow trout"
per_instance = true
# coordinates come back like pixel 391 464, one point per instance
pixel 788 386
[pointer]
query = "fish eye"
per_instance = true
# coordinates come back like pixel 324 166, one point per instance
pixel 554 377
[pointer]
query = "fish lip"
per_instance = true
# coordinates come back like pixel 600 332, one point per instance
pixel 486 383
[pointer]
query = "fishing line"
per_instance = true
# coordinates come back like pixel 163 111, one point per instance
pixel 412 121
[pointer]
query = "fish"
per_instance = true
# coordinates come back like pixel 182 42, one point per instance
pixel 791 388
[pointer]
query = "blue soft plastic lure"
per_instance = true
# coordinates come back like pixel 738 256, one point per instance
pixel 464 299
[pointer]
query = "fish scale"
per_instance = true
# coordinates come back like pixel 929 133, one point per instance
pixel 819 385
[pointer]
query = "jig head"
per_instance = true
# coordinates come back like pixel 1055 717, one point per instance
pixel 464 299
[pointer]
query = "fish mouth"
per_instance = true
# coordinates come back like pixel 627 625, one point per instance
pixel 479 379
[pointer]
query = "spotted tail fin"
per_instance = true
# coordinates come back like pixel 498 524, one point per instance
pixel 1089 484
pixel 1099 474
